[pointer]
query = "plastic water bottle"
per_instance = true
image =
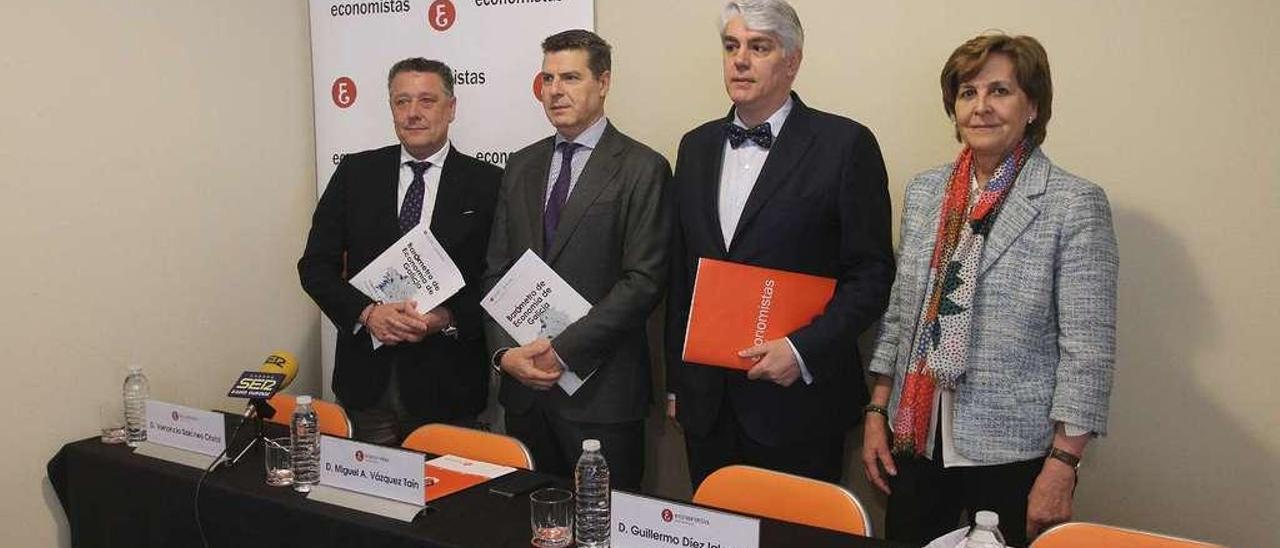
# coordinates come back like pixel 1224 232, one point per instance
pixel 304 441
pixel 591 482
pixel 136 392
pixel 985 532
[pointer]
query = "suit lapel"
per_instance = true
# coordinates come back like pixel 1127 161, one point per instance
pixel 449 196
pixel 385 186
pixel 600 169
pixel 787 150
pixel 709 182
pixel 919 250
pixel 1018 211
pixel 536 192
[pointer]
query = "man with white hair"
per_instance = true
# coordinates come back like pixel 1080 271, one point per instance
pixel 780 185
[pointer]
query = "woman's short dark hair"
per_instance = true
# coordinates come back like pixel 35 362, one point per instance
pixel 418 64
pixel 599 53
pixel 1030 67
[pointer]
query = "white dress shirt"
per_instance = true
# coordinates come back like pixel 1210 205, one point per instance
pixel 587 142
pixel 738 176
pixel 431 177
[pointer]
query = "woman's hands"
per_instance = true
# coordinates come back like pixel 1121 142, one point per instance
pixel 875 451
pixel 875 438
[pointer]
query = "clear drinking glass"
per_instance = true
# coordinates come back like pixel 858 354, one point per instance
pixel 279 467
pixel 111 421
pixel 551 516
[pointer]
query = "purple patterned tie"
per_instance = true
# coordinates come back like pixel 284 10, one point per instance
pixel 559 194
pixel 411 209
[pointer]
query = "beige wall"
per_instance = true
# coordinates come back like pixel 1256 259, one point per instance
pixel 156 169
pixel 157 178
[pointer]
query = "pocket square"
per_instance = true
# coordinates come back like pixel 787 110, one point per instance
pixel 468 212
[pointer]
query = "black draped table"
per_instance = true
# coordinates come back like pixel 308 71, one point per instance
pixel 113 498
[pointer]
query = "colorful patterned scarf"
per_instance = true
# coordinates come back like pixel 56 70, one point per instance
pixel 941 343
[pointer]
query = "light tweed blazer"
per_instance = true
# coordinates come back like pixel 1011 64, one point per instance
pixel 1043 345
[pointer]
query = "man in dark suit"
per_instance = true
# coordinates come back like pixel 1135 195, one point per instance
pixel 432 365
pixel 780 185
pixel 589 201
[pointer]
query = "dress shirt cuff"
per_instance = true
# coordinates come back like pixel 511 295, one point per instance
pixel 563 366
pixel 1072 430
pixel 805 375
pixel 359 323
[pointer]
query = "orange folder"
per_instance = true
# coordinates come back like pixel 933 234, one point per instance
pixel 442 482
pixel 737 306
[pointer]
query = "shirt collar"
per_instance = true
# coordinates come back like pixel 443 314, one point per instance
pixel 589 137
pixel 436 159
pixel 775 120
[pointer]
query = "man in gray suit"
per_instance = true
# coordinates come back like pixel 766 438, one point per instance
pixel 590 202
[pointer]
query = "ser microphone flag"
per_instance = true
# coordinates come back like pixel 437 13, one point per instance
pixel 275 374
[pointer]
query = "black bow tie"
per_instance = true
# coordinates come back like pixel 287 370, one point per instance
pixel 760 135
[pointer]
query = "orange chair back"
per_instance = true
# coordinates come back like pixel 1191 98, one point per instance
pixel 785 497
pixel 447 439
pixel 333 420
pixel 1081 534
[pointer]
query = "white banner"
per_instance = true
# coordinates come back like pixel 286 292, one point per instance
pixel 493 46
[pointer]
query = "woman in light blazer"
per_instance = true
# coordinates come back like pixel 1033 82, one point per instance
pixel 994 361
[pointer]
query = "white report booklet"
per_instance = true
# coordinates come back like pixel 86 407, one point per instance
pixel 416 268
pixel 532 301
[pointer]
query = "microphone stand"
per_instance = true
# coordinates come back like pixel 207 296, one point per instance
pixel 257 409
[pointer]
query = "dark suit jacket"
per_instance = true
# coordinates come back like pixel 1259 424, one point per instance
pixel 820 206
pixel 611 247
pixel 357 218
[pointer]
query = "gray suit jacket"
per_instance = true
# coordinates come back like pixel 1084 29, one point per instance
pixel 611 246
pixel 1043 345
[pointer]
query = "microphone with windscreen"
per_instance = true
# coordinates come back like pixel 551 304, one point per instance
pixel 275 373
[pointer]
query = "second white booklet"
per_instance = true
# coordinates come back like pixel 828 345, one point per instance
pixel 415 268
pixel 532 301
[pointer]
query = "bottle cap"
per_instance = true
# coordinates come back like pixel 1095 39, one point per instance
pixel 304 400
pixel 987 518
pixel 590 445
pixel 134 369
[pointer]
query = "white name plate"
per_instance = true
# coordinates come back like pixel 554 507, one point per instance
pixel 375 470
pixel 643 522
pixel 368 504
pixel 195 430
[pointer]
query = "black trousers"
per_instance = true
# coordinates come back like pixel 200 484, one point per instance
pixel 388 423
pixel 927 499
pixel 727 443
pixel 556 444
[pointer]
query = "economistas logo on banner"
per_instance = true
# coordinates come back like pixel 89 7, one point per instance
pixel 343 92
pixel 441 15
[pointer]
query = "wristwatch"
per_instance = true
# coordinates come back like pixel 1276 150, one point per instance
pixel 450 331
pixel 496 360
pixel 1071 460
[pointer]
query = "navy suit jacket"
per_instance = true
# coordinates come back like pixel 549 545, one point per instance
pixel 356 220
pixel 820 206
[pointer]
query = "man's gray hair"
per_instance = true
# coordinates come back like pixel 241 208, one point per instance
pixel 772 16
